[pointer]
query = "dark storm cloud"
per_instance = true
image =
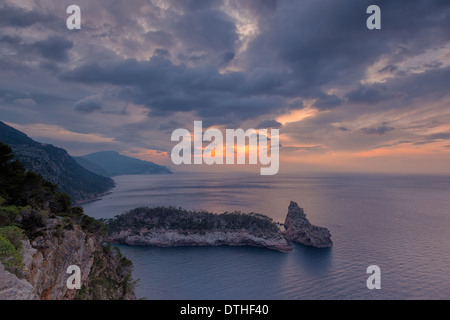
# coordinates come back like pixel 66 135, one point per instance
pixel 10 40
pixel 169 125
pixel 439 136
pixel 54 48
pixel 160 38
pixel 181 56
pixel 164 88
pixel 433 82
pixel 207 29
pixel 326 42
pixel 327 101
pixel 227 57
pixel 367 94
pixel 377 130
pixel 304 46
pixel 400 91
pixel 421 143
pixel 162 53
pixel 88 104
pixel 196 5
pixel 12 16
pixel 260 7
pixel 319 42
pixel 269 124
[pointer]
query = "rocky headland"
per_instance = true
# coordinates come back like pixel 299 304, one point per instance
pixel 169 227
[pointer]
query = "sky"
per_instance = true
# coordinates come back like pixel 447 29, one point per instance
pixel 344 98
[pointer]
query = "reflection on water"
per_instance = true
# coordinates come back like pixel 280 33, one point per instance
pixel 400 223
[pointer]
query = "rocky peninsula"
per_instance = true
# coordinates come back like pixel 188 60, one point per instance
pixel 169 227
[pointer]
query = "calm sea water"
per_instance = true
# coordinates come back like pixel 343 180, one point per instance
pixel 400 223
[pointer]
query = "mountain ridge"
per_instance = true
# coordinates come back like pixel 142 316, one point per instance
pixel 115 164
pixel 55 165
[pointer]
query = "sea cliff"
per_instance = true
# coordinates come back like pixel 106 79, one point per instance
pixel 174 238
pixel 104 272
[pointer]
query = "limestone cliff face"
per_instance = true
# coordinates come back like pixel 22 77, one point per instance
pixel 13 288
pixel 46 261
pixel 52 254
pixel 172 238
pixel 300 230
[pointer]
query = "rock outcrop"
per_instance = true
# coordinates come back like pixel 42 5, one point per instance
pixel 52 254
pixel 174 238
pixel 13 288
pixel 300 230
pixel 104 275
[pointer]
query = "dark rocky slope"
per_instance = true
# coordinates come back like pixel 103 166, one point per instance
pixel 56 166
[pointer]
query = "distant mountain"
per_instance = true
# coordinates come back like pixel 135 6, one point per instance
pixel 55 165
pixel 91 166
pixel 116 164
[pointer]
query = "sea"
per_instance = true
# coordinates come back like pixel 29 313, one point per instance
pixel 400 223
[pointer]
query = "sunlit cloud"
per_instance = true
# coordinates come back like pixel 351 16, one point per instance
pixel 388 67
pixel 58 133
pixel 296 115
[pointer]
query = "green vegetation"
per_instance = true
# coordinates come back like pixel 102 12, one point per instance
pixel 9 215
pixel 24 188
pixel 10 256
pixel 10 249
pixel 14 235
pixel 27 200
pixel 170 218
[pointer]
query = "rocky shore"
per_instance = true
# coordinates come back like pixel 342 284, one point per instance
pixel 173 238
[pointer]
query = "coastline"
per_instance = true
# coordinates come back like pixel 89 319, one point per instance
pixel 96 198
pixel 178 238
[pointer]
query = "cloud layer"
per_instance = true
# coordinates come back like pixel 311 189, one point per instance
pixel 137 70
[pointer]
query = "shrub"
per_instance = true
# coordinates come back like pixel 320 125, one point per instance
pixel 60 203
pixel 75 214
pixel 10 257
pixel 32 221
pixel 14 235
pixel 9 215
pixel 93 225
